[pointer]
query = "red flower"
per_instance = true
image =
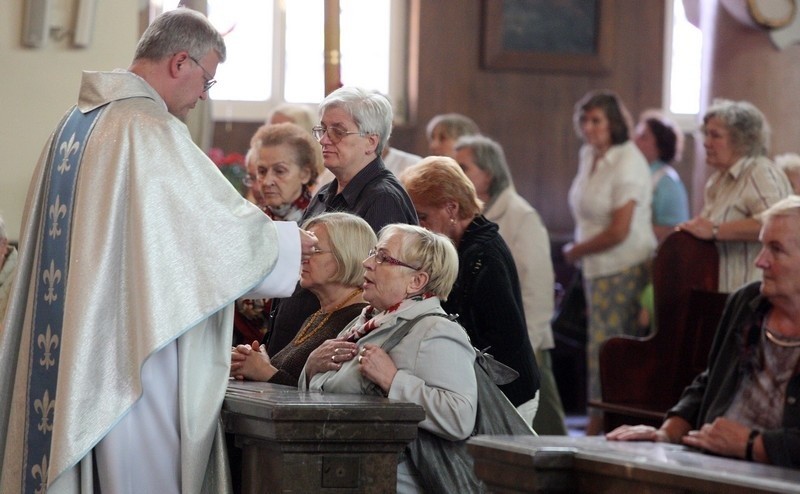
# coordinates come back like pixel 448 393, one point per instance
pixel 221 159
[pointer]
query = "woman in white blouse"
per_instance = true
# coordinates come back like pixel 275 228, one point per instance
pixel 610 201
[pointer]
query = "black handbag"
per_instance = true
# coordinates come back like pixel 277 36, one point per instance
pixel 445 466
pixel 570 320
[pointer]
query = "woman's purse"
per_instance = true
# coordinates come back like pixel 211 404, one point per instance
pixel 445 466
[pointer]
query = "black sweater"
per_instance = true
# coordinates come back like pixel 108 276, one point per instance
pixel 487 298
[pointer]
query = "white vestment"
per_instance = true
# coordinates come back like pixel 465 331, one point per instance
pixel 160 247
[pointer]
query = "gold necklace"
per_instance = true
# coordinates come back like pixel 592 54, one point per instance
pixel 781 341
pixel 307 331
pixel 778 340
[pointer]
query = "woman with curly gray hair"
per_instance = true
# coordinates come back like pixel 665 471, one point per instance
pixel 744 184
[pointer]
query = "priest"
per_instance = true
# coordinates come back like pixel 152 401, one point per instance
pixel 114 358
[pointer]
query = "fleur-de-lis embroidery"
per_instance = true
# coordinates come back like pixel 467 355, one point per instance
pixel 40 472
pixel 56 211
pixel 51 277
pixel 44 407
pixel 66 149
pixel 48 342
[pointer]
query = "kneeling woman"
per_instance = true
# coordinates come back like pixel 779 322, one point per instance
pixel 407 275
pixel 333 273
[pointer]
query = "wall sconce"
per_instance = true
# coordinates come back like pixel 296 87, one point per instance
pixel 36 27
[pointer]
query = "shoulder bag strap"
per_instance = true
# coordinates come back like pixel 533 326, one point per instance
pixel 398 334
pixel 401 332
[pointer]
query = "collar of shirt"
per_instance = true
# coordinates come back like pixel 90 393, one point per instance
pixel 353 189
pixel 739 167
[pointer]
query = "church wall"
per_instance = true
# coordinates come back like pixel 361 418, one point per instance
pixel 528 112
pixel 39 84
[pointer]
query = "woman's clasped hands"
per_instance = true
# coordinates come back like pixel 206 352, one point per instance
pixel 329 356
pixel 251 362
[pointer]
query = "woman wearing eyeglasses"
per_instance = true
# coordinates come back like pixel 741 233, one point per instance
pixel 354 127
pixel 334 275
pixel 486 294
pixel 408 274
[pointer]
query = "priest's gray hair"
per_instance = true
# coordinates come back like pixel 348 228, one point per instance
pixel 3 232
pixel 351 239
pixel 178 30
pixel 434 253
pixel 370 110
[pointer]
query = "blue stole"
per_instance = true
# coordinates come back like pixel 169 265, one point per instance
pixel 50 281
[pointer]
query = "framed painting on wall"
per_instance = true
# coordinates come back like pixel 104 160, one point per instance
pixel 571 36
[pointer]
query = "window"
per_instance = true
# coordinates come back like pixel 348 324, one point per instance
pixel 682 71
pixel 276 52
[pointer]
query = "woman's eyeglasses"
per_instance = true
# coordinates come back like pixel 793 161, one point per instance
pixel 335 134
pixel 382 257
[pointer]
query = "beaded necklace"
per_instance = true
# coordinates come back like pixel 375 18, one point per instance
pixel 307 331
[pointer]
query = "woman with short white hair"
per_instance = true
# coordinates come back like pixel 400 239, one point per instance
pixel 407 275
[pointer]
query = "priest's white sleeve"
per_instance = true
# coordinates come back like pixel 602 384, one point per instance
pixel 281 281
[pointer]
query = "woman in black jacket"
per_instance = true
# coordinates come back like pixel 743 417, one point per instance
pixel 486 295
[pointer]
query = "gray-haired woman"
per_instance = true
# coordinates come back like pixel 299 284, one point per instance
pixel 444 130
pixel 484 163
pixel 745 183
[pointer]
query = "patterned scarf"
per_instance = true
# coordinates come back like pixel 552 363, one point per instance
pixel 370 319
pixel 293 211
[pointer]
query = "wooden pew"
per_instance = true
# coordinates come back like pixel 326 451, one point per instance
pixel 577 465
pixel 294 441
pixel 641 378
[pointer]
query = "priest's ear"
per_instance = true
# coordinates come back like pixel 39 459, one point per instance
pixel 177 63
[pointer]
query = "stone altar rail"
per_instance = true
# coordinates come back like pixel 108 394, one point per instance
pixel 557 464
pixel 294 441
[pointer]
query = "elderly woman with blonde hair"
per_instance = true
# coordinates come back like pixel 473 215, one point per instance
pixel 333 273
pixel 407 276
pixel 486 295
